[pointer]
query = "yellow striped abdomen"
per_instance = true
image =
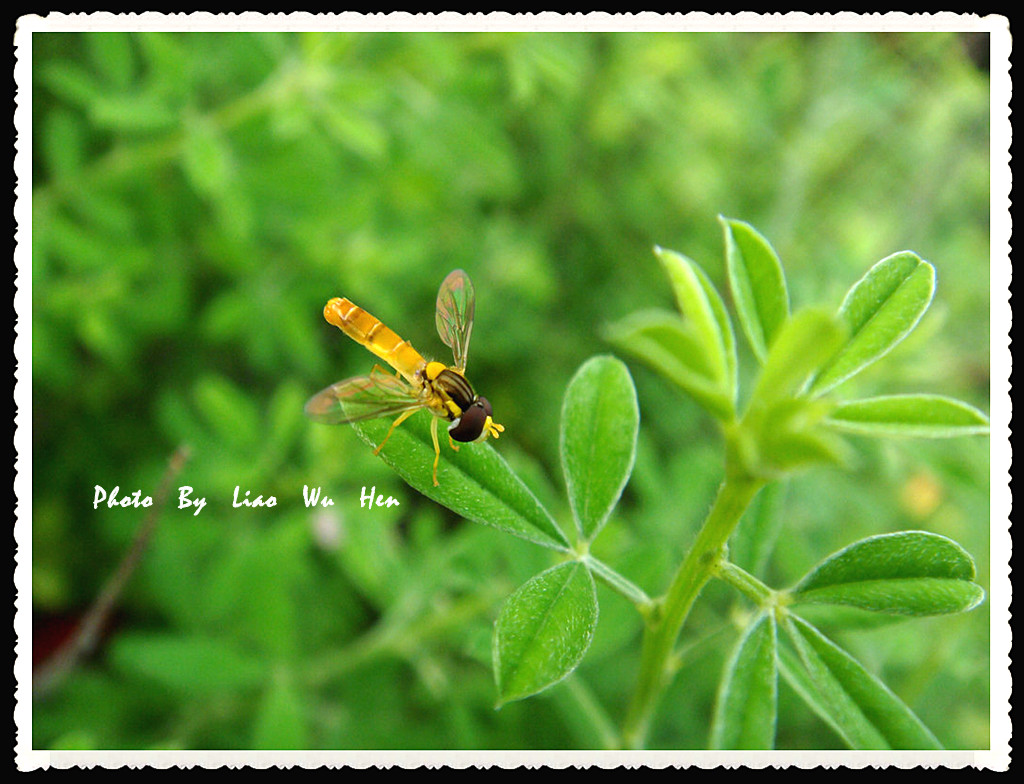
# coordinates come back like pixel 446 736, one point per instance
pixel 369 331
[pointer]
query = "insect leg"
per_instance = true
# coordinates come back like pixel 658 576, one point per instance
pixel 391 430
pixel 437 447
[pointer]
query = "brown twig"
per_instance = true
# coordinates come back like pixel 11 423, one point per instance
pixel 51 672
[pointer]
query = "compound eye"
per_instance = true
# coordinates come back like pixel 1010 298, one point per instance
pixel 487 406
pixel 470 425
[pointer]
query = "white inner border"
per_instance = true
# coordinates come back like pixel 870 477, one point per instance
pixel 997 757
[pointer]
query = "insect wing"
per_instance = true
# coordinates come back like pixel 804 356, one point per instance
pixel 362 397
pixel 456 304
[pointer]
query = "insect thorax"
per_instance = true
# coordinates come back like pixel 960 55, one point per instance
pixel 451 386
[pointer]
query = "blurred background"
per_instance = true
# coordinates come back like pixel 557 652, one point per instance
pixel 197 198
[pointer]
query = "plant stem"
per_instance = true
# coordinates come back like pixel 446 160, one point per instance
pixel 745 583
pixel 734 495
pixel 618 583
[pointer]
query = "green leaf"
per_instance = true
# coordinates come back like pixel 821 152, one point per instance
pixel 699 313
pixel 231 413
pixel 758 284
pixel 920 416
pixel 543 630
pixel 474 482
pixel 663 342
pixel 862 709
pixel 804 342
pixel 62 145
pixel 71 82
pixel 745 713
pixel 192 665
pixel 725 330
pixel 111 54
pixel 359 133
pixel 905 573
pixel 790 437
pixel 101 334
pixel 206 157
pixel 785 435
pixel 600 419
pixel 143 113
pixel 167 61
pixel 880 310
pixel 795 674
pixel 905 553
pixel 280 722
pixel 906 596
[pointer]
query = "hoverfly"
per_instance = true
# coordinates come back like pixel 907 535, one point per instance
pixel 441 389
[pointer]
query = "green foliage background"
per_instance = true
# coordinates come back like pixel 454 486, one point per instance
pixel 198 198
